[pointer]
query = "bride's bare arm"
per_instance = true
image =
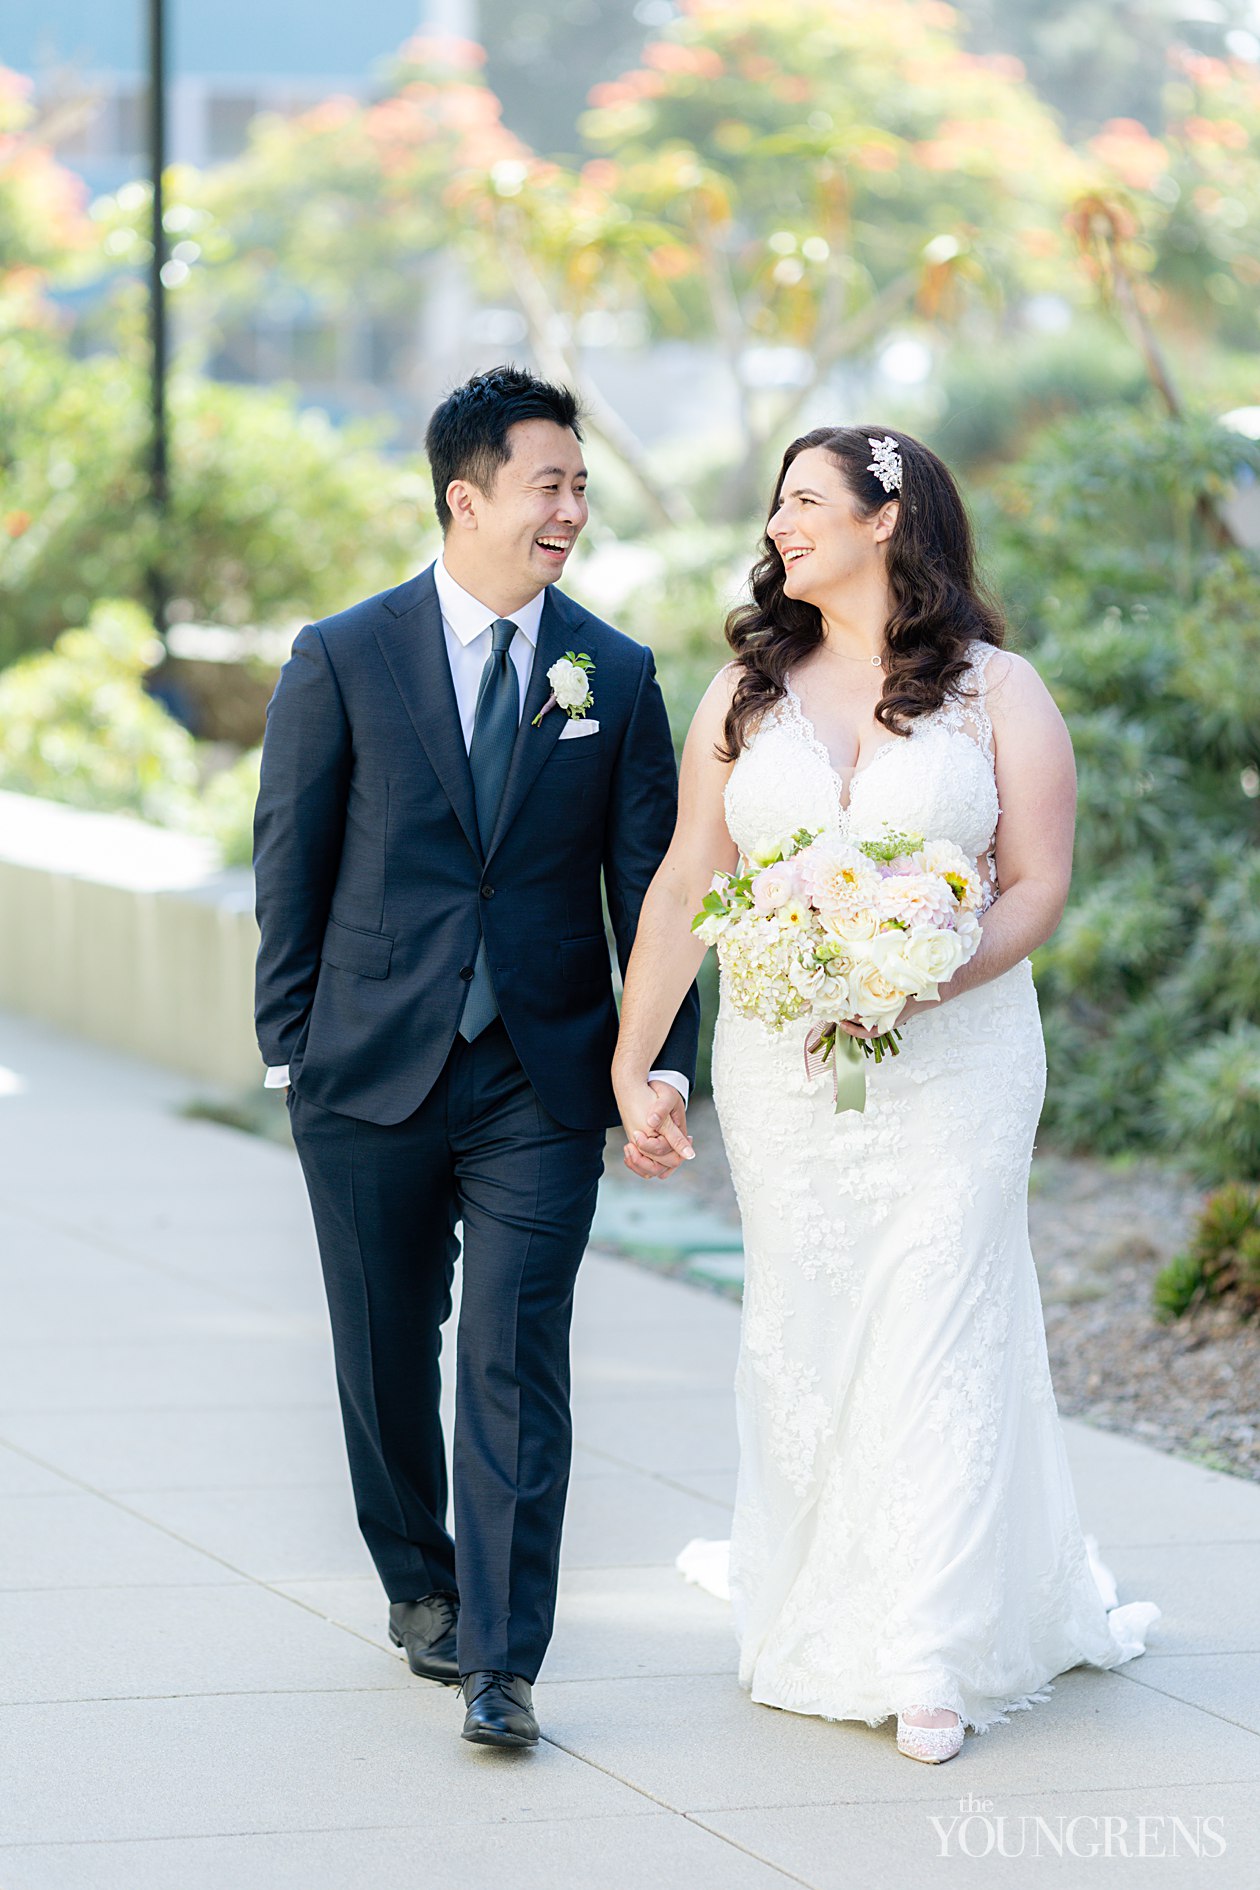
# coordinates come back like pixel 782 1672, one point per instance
pixel 667 954
pixel 1036 783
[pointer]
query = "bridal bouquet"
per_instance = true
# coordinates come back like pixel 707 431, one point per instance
pixel 830 931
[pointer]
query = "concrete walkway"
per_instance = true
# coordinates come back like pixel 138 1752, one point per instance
pixel 198 1693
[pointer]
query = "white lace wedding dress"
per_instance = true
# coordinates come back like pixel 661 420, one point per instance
pixel 905 1528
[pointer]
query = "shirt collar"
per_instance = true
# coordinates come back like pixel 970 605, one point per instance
pixel 466 617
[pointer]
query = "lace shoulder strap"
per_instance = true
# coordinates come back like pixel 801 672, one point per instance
pixel 967 708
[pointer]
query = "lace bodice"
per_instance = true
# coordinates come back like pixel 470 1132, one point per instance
pixel 938 780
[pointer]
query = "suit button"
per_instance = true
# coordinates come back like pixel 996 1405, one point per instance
pixel 466 972
pixel 487 892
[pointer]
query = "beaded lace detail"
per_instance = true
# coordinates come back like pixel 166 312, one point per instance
pixel 932 1744
pixel 905 1530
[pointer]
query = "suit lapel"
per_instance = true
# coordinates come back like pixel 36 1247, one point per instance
pixel 560 623
pixel 414 647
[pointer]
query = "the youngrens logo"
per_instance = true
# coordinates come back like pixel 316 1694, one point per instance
pixel 976 1830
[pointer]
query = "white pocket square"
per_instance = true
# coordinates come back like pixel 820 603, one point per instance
pixel 578 725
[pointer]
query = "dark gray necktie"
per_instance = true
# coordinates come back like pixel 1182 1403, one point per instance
pixel 489 757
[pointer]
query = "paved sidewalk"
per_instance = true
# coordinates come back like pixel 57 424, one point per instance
pixel 198 1693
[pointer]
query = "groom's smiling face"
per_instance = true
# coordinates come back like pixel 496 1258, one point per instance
pixel 519 534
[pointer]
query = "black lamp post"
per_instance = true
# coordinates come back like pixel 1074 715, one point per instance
pixel 158 487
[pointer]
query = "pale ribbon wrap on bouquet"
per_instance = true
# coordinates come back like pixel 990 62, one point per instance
pixel 847 1060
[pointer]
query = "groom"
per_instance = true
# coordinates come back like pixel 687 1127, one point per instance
pixel 434 986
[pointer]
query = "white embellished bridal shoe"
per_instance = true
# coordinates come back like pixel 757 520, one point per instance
pixel 932 1744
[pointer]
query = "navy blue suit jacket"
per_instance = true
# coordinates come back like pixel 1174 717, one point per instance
pixel 372 888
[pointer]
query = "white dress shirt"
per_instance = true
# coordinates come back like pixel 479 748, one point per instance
pixel 466 625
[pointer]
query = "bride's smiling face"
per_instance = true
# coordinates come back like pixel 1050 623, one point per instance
pixel 819 531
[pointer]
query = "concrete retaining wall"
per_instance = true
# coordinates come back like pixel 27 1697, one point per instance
pixel 130 936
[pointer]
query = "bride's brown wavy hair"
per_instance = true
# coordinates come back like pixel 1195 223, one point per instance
pixel 940 607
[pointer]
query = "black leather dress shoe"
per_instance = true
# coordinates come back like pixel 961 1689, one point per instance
pixel 425 1630
pixel 500 1710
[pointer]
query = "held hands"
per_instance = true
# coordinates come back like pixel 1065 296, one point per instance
pixel 654 1118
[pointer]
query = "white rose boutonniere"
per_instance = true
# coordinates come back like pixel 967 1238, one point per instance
pixel 570 686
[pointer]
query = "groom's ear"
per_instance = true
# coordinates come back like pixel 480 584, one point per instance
pixel 462 497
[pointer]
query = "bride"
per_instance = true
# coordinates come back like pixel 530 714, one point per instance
pixel 906 1539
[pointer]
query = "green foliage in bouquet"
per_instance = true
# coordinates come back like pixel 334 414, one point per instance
pixel 1222 1261
pixel 1145 623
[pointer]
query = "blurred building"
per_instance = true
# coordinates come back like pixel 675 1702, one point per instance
pixel 228 60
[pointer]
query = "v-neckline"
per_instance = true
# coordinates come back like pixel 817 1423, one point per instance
pixel 844 795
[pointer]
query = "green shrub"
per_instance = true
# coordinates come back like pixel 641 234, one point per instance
pixel 275 514
pixel 76 724
pixel 1221 974
pixel 994 400
pixel 1103 1069
pixel 1222 1261
pixel 1114 508
pixel 1179 1287
pixel 227 809
pixel 1218 669
pixel 1209 1104
pixel 1144 625
pixel 1125 660
pixel 1131 791
pixel 1118 936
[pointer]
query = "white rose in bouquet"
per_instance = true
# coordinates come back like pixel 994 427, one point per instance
pixel 924 958
pixel 851 928
pixel 877 1001
pixel 835 995
pixel 773 887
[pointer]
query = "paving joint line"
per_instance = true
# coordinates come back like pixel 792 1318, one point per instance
pixel 677 1811
pixel 1226 1719
pixel 104 1244
pixel 306 1830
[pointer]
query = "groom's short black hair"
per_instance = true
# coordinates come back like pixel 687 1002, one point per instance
pixel 467 437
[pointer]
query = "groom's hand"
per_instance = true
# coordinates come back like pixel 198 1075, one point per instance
pixel 656 1125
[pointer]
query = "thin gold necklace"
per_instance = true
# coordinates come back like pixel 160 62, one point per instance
pixel 877 661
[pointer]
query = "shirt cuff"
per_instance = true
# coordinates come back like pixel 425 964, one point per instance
pixel 676 1078
pixel 278 1076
